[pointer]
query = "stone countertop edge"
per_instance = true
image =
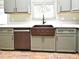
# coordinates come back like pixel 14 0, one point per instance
pixel 30 26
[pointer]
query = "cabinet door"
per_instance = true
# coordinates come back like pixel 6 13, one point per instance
pixel 6 42
pixel 22 5
pixel 63 5
pixel 9 6
pixel 75 5
pixel 48 43
pixel 78 41
pixel 21 40
pixel 36 43
pixel 66 44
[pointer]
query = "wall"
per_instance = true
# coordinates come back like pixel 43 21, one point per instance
pixel 69 17
pixel 63 16
pixel 19 17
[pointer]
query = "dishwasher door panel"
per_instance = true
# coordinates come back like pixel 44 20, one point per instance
pixel 21 39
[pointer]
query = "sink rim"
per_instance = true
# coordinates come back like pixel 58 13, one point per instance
pixel 42 26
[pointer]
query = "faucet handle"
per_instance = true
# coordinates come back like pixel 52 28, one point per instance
pixel 44 22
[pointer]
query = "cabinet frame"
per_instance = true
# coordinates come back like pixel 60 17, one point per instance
pixel 43 46
pixel 15 6
pixel 6 39
pixel 66 35
pixel 63 5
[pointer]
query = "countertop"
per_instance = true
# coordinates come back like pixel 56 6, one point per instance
pixel 30 24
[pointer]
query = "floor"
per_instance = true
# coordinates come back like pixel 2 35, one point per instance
pixel 36 55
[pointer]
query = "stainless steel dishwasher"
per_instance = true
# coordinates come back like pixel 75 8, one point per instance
pixel 22 38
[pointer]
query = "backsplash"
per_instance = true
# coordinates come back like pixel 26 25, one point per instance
pixel 19 17
pixel 69 16
pixel 63 16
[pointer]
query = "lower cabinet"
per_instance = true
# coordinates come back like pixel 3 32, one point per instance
pixel 21 39
pixel 49 43
pixel 36 43
pixel 6 42
pixel 66 44
pixel 66 40
pixel 43 43
pixel 78 40
pixel 6 39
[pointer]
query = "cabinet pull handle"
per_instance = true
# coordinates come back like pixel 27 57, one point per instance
pixel 21 30
pixel 42 39
pixel 4 9
pixel 56 38
pixel 60 8
pixel 16 9
pixel 12 37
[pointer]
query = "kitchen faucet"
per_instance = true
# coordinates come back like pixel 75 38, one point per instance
pixel 43 20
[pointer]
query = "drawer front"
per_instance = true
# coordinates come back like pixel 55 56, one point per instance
pixel 66 35
pixel 4 31
pixel 66 30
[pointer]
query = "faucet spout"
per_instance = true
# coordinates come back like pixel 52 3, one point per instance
pixel 44 20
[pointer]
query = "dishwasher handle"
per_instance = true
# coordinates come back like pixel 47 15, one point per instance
pixel 21 30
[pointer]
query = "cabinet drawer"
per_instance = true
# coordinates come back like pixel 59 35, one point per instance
pixel 66 35
pixel 6 31
pixel 66 30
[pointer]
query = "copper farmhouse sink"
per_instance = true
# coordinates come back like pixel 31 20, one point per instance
pixel 43 30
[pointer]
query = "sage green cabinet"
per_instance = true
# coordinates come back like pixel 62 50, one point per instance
pixel 36 43
pixel 63 5
pixel 6 39
pixel 43 43
pixel 66 44
pixel 17 6
pixel 75 5
pixel 9 6
pixel 78 40
pixel 68 5
pixel 6 42
pixel 48 43
pixel 66 39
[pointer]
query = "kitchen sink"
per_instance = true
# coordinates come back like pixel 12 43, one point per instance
pixel 43 26
pixel 43 30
